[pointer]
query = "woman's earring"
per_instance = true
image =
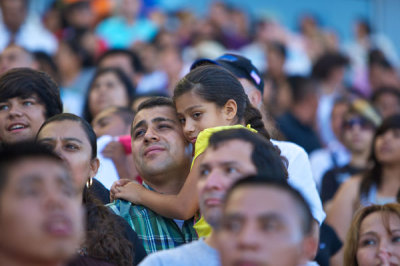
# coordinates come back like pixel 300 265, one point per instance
pixel 89 182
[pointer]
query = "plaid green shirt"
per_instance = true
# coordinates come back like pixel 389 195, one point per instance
pixel 155 231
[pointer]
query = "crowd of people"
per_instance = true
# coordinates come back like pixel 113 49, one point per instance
pixel 135 136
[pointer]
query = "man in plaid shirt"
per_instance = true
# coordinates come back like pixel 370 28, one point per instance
pixel 162 158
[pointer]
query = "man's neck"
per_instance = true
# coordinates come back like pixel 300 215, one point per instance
pixel 170 183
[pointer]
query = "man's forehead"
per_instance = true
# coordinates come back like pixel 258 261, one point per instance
pixel 226 148
pixel 149 114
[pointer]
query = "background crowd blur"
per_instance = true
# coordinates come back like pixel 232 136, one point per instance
pixel 317 59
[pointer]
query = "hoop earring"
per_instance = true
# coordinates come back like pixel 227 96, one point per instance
pixel 89 182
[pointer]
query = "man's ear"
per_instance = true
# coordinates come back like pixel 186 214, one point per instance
pixel 255 98
pixel 229 110
pixel 94 167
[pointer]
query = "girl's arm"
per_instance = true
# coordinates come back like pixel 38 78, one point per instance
pixel 181 206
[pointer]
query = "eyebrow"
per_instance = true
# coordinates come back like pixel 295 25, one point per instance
pixel 154 120
pixel 191 108
pixel 162 119
pixel 140 124
pixel 52 139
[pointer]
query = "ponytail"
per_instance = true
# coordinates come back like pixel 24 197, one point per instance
pixel 253 117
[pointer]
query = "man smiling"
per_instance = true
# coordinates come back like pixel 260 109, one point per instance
pixel 162 158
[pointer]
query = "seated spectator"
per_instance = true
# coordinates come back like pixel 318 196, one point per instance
pixel 278 95
pixel 112 127
pixel 109 238
pixel 379 185
pixel 126 27
pixel 27 98
pixel 329 72
pixel 16 27
pixel 14 56
pixel 387 101
pixel 131 63
pixel 41 218
pixel 162 157
pixel 298 123
pixel 74 75
pixel 109 87
pixel 358 129
pixel 335 154
pixel 372 236
pixel 265 221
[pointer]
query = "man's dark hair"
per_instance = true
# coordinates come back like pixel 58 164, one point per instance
pixel 136 63
pixel 24 82
pixel 278 47
pixel 265 156
pixel 326 63
pixel 10 154
pixel 283 186
pixel 301 88
pixel 157 101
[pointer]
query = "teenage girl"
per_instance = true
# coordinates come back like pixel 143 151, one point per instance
pixel 208 96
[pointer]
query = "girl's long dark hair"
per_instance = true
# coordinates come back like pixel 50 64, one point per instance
pixel 374 175
pixel 217 85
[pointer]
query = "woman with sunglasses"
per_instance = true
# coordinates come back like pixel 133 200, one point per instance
pixel 356 134
pixel 378 185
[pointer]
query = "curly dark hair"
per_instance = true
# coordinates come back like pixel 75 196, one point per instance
pixel 105 239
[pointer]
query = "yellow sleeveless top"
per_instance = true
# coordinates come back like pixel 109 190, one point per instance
pixel 202 228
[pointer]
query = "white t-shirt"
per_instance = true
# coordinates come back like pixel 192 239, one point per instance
pixel 300 176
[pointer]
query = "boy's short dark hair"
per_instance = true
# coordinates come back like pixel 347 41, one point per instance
pixel 23 82
pixel 15 152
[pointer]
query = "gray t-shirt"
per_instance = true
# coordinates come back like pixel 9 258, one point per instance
pixel 196 253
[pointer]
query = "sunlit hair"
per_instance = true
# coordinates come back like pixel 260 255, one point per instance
pixel 353 235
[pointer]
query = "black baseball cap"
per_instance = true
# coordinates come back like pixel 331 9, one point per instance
pixel 240 66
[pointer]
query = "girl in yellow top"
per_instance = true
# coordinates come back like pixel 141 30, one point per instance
pixel 209 96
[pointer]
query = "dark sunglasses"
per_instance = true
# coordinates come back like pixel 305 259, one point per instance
pixel 363 123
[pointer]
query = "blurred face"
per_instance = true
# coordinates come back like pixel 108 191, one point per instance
pixel 107 90
pixel 20 118
pixel 379 245
pixel 109 123
pixel 357 134
pixel 338 112
pixel 14 56
pixel 14 13
pixel 68 139
pixel 195 114
pixel 261 226
pixel 219 169
pixel 387 105
pixel 387 147
pixel 41 213
pixel 158 144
